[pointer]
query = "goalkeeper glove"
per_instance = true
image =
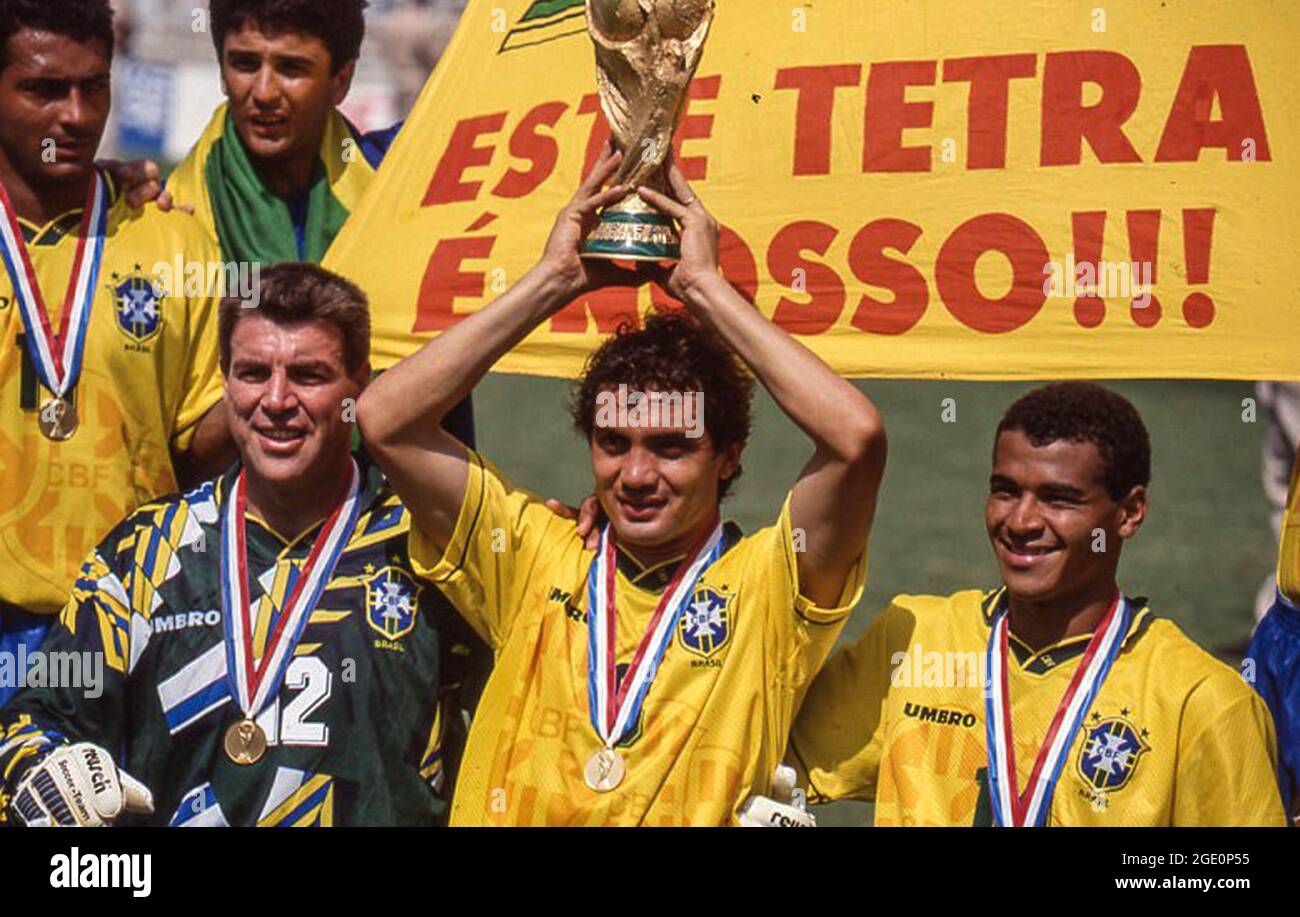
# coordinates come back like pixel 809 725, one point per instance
pixel 78 786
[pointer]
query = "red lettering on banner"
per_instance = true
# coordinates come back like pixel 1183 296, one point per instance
pixel 814 111
pixel 1222 71
pixel 694 126
pixel 610 307
pixel 986 108
pixel 954 272
pixel 446 186
pixel 737 263
pixel 1089 230
pixel 1198 227
pixel 539 149
pixel 444 281
pixel 888 114
pixel 663 301
pixel 1144 249
pixel 869 264
pixel 1067 122
pixel 824 288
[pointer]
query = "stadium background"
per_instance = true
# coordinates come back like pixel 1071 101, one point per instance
pixel 1200 557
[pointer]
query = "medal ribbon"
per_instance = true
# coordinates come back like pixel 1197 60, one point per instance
pixel 57 358
pixel 252 688
pixel 1030 808
pixel 615 707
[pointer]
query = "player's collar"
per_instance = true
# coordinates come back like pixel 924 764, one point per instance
pixel 1049 657
pixel 656 577
pixel 63 225
pixel 374 490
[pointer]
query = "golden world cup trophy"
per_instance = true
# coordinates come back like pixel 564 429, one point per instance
pixel 646 55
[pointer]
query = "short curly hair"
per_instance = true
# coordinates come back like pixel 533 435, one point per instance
pixel 80 20
pixel 672 353
pixel 340 24
pixel 1084 412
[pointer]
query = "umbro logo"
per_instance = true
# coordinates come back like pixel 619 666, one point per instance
pixel 573 611
pixel 939 715
pixel 185 619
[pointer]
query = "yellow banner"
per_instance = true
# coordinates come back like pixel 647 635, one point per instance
pixel 991 189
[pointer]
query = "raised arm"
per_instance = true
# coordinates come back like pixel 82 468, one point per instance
pixel 400 414
pixel 834 499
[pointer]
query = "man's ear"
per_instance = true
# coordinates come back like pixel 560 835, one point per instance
pixel 1133 511
pixel 362 377
pixel 731 460
pixel 342 83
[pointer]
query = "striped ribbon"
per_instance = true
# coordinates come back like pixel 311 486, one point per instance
pixel 1010 807
pixel 57 358
pixel 249 682
pixel 615 706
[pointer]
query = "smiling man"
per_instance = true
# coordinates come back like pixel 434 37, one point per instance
pixel 1054 699
pixel 652 681
pixel 279 170
pixel 107 376
pixel 271 657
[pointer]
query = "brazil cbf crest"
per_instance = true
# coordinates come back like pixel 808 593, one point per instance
pixel 392 602
pixel 705 624
pixel 137 303
pixel 1110 752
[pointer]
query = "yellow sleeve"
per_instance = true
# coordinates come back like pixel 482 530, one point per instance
pixel 200 385
pixel 500 543
pixel 1288 555
pixel 1226 759
pixel 188 183
pixel 839 733
pixel 806 637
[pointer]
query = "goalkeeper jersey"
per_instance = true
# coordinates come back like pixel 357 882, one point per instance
pixel 1173 737
pixel 149 374
pixel 717 715
pixel 359 729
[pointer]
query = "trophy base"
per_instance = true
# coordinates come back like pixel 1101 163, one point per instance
pixel 642 235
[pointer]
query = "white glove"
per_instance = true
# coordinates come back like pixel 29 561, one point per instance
pixel 78 786
pixel 785 808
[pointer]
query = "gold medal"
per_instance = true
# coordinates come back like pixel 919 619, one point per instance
pixel 58 419
pixel 604 770
pixel 245 743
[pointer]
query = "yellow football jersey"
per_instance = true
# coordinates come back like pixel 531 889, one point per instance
pixel 1173 737
pixel 149 374
pixel 1288 555
pixel 716 718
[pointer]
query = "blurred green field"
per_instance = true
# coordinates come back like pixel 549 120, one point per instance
pixel 1199 558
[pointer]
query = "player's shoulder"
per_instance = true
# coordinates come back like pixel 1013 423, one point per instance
pixel 1184 671
pixel 955 621
pixel 179 232
pixel 966 608
pixel 178 518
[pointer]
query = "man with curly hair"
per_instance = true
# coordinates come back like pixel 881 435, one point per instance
pixel 654 680
pixel 1054 699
